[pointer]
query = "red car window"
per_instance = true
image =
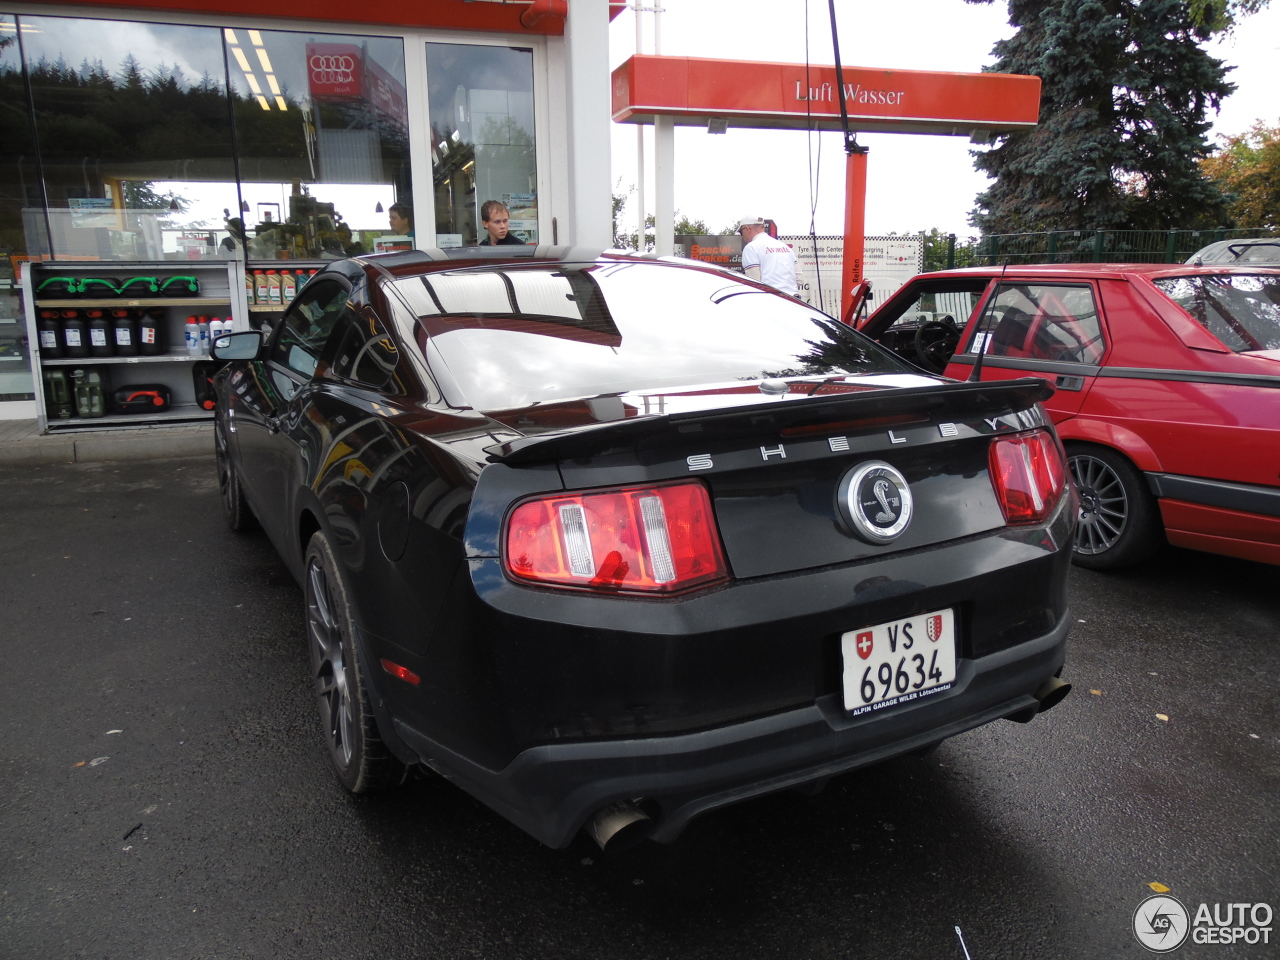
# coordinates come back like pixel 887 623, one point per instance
pixel 1241 310
pixel 1037 321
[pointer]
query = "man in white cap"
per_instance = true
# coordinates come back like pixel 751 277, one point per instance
pixel 766 259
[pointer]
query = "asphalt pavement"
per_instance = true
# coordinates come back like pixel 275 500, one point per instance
pixel 164 790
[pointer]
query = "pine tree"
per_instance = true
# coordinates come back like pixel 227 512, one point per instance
pixel 1126 90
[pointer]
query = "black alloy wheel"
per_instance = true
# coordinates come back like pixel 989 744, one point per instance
pixel 238 513
pixel 360 758
pixel 1118 522
pixel 935 343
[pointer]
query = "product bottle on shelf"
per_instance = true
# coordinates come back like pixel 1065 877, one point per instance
pixel 260 287
pixel 49 328
pixel 204 334
pixel 193 336
pixel 125 327
pixel 57 395
pixel 249 293
pixel 151 340
pixel 273 287
pixel 216 329
pixel 288 287
pixel 99 333
pixel 90 400
pixel 75 339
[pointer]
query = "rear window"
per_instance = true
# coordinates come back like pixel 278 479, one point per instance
pixel 517 335
pixel 1241 310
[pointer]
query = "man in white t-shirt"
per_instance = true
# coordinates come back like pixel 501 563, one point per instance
pixel 766 259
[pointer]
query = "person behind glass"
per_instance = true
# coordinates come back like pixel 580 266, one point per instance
pixel 401 219
pixel 766 259
pixel 232 246
pixel 497 221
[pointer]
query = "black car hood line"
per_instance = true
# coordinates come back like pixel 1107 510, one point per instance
pixel 959 400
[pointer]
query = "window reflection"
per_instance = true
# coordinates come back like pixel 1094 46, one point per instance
pixel 136 149
pixel 322 125
pixel 19 189
pixel 19 177
pixel 482 138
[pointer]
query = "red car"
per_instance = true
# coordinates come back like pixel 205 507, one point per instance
pixel 1167 389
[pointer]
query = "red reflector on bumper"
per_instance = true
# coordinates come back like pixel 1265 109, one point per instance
pixel 404 673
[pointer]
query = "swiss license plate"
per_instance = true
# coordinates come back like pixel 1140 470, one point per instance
pixel 898 662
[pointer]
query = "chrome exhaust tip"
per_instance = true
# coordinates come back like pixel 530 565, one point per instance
pixel 619 825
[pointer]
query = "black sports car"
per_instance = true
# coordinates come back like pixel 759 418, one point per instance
pixel 610 541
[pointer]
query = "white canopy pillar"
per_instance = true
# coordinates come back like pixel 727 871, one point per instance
pixel 664 177
pixel 590 200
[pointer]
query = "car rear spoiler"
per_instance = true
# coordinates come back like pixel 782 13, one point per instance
pixel 957 401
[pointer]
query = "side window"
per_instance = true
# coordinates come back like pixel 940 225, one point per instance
pixel 305 329
pixel 1035 321
pixel 366 353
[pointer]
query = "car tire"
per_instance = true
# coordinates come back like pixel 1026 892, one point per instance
pixel 360 759
pixel 238 513
pixel 1119 521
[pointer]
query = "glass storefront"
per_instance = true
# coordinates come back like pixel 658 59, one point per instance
pixel 482 139
pixel 19 190
pixel 322 131
pixel 144 141
pixel 192 142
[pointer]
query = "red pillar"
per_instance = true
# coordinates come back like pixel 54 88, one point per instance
pixel 855 216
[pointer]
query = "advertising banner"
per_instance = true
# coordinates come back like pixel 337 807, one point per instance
pixel 888 262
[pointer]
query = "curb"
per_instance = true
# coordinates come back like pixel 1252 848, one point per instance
pixel 97 449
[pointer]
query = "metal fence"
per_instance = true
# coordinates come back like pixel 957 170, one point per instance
pixel 1093 246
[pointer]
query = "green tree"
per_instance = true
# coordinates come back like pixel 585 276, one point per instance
pixel 1247 170
pixel 936 247
pixel 1217 15
pixel 1126 89
pixel 624 240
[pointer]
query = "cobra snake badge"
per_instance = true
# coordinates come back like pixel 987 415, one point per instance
pixel 881 491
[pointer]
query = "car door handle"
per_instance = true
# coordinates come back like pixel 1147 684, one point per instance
pixel 1065 382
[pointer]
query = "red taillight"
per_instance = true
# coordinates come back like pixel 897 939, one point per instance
pixel 651 539
pixel 1028 474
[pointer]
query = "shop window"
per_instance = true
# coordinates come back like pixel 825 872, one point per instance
pixel 134 137
pixel 322 131
pixel 19 191
pixel 482 139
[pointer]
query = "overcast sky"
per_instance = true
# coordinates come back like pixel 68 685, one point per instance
pixel 914 182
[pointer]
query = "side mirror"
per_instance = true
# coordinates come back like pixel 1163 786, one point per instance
pixel 237 346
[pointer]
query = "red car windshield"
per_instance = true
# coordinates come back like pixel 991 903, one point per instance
pixel 1241 310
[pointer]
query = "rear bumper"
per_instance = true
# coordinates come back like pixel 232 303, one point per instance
pixel 550 790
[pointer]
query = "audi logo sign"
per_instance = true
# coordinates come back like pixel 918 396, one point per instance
pixel 332 69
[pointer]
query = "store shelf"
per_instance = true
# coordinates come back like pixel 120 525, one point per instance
pixel 221 282
pixel 172 356
pixel 180 412
pixel 268 307
pixel 149 302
